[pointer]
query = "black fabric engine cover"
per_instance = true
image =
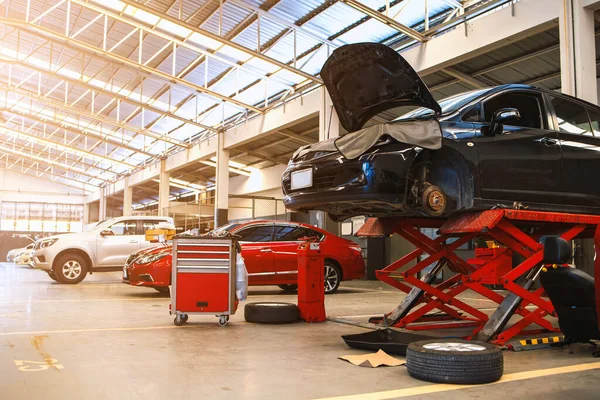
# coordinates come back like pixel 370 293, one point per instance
pixel 571 291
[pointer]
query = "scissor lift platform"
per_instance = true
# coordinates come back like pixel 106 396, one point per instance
pixel 518 230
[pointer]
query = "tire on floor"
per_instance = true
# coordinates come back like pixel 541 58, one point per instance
pixel 271 313
pixel 454 361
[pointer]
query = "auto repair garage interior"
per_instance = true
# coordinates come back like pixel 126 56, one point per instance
pixel 177 219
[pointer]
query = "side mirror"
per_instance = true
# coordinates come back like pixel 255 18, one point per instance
pixel 501 117
pixel 107 232
pixel 556 250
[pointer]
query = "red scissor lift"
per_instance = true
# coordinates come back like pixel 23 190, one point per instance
pixel 517 230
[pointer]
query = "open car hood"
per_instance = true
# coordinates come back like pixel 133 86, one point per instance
pixel 365 79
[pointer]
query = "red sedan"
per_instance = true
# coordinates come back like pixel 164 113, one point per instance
pixel 269 249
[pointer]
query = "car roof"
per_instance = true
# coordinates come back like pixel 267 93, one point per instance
pixel 517 86
pixel 279 222
pixel 143 217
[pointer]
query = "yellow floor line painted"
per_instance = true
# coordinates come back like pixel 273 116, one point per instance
pixel 428 389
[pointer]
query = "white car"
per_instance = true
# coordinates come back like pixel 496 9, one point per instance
pixel 69 257
pixel 15 254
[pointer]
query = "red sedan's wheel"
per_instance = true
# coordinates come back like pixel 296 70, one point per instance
pixel 162 289
pixel 333 277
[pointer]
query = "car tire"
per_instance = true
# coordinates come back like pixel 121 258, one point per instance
pixel 52 276
pixel 271 313
pixel 333 277
pixel 288 288
pixel 70 268
pixel 454 361
pixel 162 289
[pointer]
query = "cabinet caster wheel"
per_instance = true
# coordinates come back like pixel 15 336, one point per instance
pixel 223 320
pixel 185 317
pixel 178 321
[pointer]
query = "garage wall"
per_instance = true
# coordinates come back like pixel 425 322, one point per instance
pixel 15 186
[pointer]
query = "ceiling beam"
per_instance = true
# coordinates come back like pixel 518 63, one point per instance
pixel 293 135
pixel 221 39
pixel 392 23
pixel 35 166
pixel 17 133
pixel 476 83
pixel 5 146
pixel 124 61
pixel 95 116
pixel 83 132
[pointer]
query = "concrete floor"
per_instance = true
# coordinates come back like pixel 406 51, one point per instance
pixel 117 341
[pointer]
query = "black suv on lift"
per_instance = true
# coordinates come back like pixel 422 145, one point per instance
pixel 498 146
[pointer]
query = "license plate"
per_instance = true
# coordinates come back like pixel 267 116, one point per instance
pixel 302 179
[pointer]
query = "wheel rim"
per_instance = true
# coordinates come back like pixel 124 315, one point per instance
pixel 436 200
pixel 331 278
pixel 451 346
pixel 71 269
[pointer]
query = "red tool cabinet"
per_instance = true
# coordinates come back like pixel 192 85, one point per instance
pixel 203 278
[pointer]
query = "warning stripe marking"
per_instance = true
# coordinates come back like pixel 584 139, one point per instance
pixel 546 340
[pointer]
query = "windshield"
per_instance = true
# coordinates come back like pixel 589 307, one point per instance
pixel 449 104
pixel 222 231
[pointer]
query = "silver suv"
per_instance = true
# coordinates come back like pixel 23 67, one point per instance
pixel 69 257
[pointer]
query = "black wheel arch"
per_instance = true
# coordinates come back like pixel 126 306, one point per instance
pixel 79 252
pixel 451 171
pixel 337 264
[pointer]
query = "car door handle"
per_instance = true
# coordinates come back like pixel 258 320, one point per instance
pixel 266 251
pixel 549 141
pixel 133 241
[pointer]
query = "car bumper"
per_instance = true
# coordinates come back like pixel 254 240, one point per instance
pixel 147 275
pixel 370 185
pixel 41 260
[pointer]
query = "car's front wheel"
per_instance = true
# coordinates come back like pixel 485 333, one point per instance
pixel 162 289
pixel 333 277
pixel 52 276
pixel 70 268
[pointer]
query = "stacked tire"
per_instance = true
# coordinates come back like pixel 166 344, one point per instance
pixel 271 313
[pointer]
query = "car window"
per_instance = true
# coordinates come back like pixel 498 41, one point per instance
pixel 285 233
pixel 473 115
pixel 528 104
pixel 595 118
pixel 124 228
pixel 448 105
pixel 149 224
pixel 572 117
pixel 263 233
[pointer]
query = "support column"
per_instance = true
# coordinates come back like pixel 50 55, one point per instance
pixel 577 51
pixel 127 198
pixel 86 214
pixel 102 205
pixel 163 189
pixel 222 183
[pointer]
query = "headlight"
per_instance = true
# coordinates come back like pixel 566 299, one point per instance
pixel 149 258
pixel 47 243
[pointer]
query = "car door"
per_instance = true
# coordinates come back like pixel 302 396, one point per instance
pixel 578 129
pixel 286 239
pixel 522 162
pixel 113 249
pixel 258 255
